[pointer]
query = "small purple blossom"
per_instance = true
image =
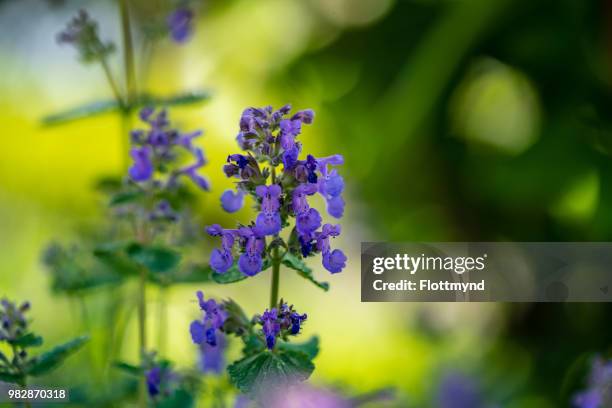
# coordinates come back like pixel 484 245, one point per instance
pixel 277 322
pixel 82 33
pixel 180 24
pixel 13 323
pixel 205 330
pixel 268 220
pixel 154 379
pixel 232 201
pixel 599 388
pixel 142 169
pixel 156 151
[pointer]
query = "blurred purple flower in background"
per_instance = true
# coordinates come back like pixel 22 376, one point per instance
pixel 598 393
pixel 205 331
pixel 212 358
pixel 82 33
pixel 457 390
pixel 13 323
pixel 180 24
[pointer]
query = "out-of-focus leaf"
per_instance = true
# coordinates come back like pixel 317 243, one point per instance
pixel 310 347
pixel 27 340
pixel 192 274
pixel 113 255
pixel 155 258
pixel 187 98
pixel 11 378
pixel 83 111
pixel 179 398
pixel 50 360
pixel 125 197
pixel 100 107
pixel 303 270
pixel 281 368
pixel 128 368
pixel 253 344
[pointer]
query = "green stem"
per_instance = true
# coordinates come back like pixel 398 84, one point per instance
pixel 142 334
pixel 128 53
pixel 112 82
pixel 162 321
pixel 275 278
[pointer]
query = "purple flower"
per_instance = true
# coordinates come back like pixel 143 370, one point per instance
pixel 270 327
pixel 232 202
pixel 142 169
pixel 278 322
pixel 334 261
pixel 308 221
pixel 180 24
pixel 598 393
pixel 204 331
pixel 270 142
pixel 212 358
pixel 458 391
pixel 154 379
pixel 221 260
pixel 268 220
pixel 251 242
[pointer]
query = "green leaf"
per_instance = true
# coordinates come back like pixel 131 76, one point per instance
pixel 155 258
pixel 192 274
pixel 310 347
pixel 125 197
pixel 233 274
pixel 27 340
pixel 83 111
pixel 128 368
pixel 11 378
pixel 265 369
pixel 50 360
pixel 188 98
pixel 253 344
pixel 113 256
pixel 179 398
pixel 303 270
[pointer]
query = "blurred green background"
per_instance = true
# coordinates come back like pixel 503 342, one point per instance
pixel 458 119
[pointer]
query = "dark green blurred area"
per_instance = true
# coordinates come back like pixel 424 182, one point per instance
pixel 460 120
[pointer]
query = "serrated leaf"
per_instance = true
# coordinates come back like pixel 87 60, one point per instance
pixel 128 368
pixel 270 369
pixel 155 258
pixel 50 360
pixel 253 344
pixel 303 270
pixel 27 340
pixel 310 347
pixel 83 111
pixel 125 197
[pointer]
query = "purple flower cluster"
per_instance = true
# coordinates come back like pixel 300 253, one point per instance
pixel 280 322
pixel 270 140
pixel 205 331
pixel 180 24
pixel 157 150
pixel 12 320
pixel 82 33
pixel 599 391
pixel 251 241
